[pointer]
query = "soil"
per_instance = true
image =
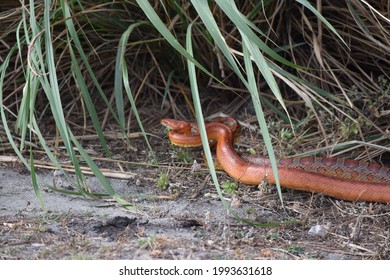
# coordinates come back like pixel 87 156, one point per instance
pixel 181 217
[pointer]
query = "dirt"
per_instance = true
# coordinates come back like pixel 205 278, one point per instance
pixel 182 218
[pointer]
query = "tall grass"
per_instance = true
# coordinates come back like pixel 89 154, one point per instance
pixel 71 60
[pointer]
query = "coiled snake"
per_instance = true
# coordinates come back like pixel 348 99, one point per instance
pixel 340 178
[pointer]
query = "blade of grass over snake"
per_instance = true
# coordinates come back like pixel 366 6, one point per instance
pixel 205 14
pixel 203 134
pixel 260 116
pixel 199 116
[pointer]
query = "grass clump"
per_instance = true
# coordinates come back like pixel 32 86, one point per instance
pixel 72 69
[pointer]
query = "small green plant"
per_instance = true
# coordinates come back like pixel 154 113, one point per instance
pixel 295 249
pixel 273 236
pixel 184 156
pixel 349 129
pixel 229 187
pixel 383 82
pixel 252 151
pixel 162 181
pixel 147 242
pixel 50 218
pixel 286 134
pixel 250 211
pixel 239 235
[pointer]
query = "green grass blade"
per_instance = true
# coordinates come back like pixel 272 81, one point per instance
pixel 88 101
pixel 166 90
pixel 160 26
pixel 22 119
pixel 203 134
pixel 118 89
pixel 102 179
pixel 324 20
pixel 230 9
pixel 76 41
pixel 34 180
pixel 260 115
pixel 50 86
pixel 262 65
pixel 203 9
pixel 3 69
pixel 125 78
pixel 199 116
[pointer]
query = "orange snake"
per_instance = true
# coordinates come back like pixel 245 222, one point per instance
pixel 340 178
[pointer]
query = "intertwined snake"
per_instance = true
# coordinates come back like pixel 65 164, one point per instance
pixel 340 178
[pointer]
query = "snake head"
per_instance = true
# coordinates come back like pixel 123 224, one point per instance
pixel 178 126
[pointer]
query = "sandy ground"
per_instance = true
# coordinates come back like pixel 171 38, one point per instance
pixel 78 227
pixel 192 224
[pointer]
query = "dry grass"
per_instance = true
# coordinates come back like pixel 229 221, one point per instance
pixel 340 107
pixel 352 106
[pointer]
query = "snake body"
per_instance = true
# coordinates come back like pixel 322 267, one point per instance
pixel 340 178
